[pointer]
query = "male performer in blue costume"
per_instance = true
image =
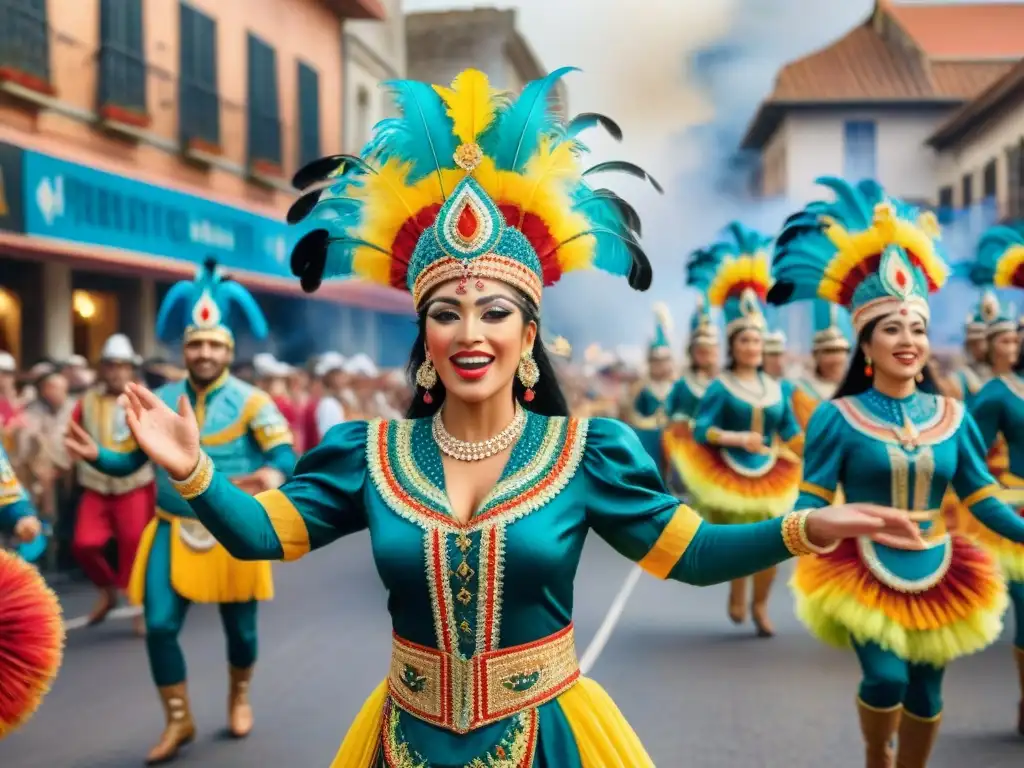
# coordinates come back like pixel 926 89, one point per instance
pixel 179 562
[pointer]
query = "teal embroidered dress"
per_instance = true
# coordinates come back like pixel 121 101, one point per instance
pixel 464 598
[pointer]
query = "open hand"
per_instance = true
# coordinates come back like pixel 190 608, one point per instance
pixel 27 528
pixel 79 443
pixel 169 438
pixel 885 525
pixel 752 442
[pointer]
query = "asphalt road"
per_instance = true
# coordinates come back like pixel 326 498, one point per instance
pixel 700 692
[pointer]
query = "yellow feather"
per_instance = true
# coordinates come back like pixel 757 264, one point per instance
pixel 471 104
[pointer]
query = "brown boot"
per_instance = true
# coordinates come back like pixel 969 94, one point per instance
pixel 879 727
pixel 738 600
pixel 180 729
pixel 759 609
pixel 917 737
pixel 239 708
pixel 1019 653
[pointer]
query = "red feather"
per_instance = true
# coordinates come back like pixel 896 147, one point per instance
pixel 31 641
pixel 405 243
pixel 539 236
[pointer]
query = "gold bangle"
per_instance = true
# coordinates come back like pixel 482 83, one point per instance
pixel 198 481
pixel 794 535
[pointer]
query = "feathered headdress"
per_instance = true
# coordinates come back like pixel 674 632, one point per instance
pixel 201 308
pixel 468 184
pixel 735 275
pixel 661 344
pixel 830 335
pixel 868 252
pixel 702 328
pixel 998 262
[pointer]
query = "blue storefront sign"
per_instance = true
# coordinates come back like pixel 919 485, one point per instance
pixel 73 202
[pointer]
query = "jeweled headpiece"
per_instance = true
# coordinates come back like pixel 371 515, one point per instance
pixel 999 263
pixel 735 275
pixel 201 308
pixel 703 330
pixel 661 344
pixel 829 333
pixel 468 184
pixel 865 251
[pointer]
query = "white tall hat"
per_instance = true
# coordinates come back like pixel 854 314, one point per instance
pixel 264 364
pixel 328 362
pixel 117 349
pixel 361 365
pixel 7 363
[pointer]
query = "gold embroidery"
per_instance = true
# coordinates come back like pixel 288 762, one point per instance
pixel 981 494
pixel 198 482
pixel 949 414
pixel 794 535
pixel 673 542
pixel 816 490
pixel 869 556
pixel 899 477
pixel 757 420
pixel 465 694
pixel 924 473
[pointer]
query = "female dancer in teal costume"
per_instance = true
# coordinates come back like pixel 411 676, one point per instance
pixel 647 413
pixel 907 611
pixel 478 504
pixel 999 410
pixel 735 468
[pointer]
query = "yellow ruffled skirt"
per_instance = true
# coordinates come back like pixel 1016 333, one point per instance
pixel 603 737
pixel 722 494
pixel 1008 554
pixel 207 576
pixel 839 599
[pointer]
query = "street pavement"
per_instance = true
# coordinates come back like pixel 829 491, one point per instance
pixel 700 692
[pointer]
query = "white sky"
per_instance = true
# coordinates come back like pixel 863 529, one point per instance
pixel 634 59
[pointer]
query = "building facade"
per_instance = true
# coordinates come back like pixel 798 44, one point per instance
pixel 139 137
pixel 374 54
pixel 867 104
pixel 441 44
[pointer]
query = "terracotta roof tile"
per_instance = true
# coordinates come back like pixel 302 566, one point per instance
pixel 966 79
pixel 963 30
pixel 1006 90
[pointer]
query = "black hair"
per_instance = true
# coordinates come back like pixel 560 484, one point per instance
pixel 548 398
pixel 730 361
pixel 857 380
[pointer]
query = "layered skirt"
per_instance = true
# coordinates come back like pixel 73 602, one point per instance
pixel 581 728
pixel 1008 554
pixel 927 607
pixel 724 492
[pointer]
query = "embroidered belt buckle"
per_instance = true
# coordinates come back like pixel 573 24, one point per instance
pixel 191 532
pixel 461 695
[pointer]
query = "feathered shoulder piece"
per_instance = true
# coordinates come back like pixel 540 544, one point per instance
pixel 734 274
pixel 201 308
pixel 998 262
pixel 467 184
pixel 864 250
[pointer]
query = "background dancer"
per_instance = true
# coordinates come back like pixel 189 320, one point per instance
pixel 907 610
pixel 743 462
pixel 179 562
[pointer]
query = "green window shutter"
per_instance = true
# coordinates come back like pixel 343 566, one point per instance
pixel 25 37
pixel 263 111
pixel 123 70
pixel 309 114
pixel 199 100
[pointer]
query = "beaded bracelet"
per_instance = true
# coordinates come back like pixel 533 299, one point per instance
pixel 198 481
pixel 794 535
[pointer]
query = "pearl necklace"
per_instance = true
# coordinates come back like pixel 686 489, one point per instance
pixel 462 450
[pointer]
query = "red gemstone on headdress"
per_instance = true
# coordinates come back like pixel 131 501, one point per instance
pixel 467 224
pixel 901 278
pixel 204 314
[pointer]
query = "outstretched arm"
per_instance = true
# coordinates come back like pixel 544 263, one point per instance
pixel 976 487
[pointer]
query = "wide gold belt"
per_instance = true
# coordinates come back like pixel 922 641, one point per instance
pixel 463 694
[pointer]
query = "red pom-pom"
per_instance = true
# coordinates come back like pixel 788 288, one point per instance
pixel 31 641
pixel 528 397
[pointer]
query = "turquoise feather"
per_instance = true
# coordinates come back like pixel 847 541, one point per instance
pixel 175 313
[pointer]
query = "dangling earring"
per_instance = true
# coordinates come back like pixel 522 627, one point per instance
pixel 426 377
pixel 869 370
pixel 920 377
pixel 529 375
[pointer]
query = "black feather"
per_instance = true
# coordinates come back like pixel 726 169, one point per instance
pixel 780 292
pixel 585 120
pixel 627 211
pixel 318 170
pixel 640 273
pixel 309 257
pixel 304 206
pixel 625 167
pixel 210 263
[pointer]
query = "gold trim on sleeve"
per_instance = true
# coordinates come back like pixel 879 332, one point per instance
pixel 794 535
pixel 673 542
pixel 288 524
pixel 816 490
pixel 196 483
pixel 981 494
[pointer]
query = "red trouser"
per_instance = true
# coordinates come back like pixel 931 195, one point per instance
pixel 122 517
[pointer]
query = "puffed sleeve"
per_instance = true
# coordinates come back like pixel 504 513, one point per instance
pixel 823 463
pixel 976 487
pixel 629 507
pixel 323 501
pixel 708 418
pixel 988 410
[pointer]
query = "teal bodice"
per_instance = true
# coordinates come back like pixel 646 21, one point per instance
pixel 14 502
pixel 682 400
pixel 504 579
pixel 902 454
pixel 647 403
pixel 999 409
pixel 730 405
